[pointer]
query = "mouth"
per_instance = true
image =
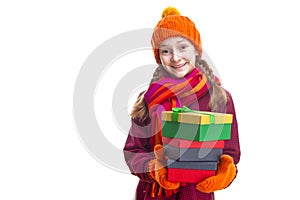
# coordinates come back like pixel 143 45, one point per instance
pixel 178 67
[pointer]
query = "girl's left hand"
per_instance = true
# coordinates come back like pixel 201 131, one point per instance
pixel 225 174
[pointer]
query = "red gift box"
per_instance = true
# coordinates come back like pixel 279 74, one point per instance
pixel 189 175
pixel 180 143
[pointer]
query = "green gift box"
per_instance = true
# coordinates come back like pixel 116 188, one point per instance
pixel 188 124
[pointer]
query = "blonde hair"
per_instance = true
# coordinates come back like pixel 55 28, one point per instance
pixel 218 98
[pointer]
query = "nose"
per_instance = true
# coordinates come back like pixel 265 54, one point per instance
pixel 175 57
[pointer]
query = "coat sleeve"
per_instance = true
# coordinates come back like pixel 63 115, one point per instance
pixel 137 151
pixel 232 146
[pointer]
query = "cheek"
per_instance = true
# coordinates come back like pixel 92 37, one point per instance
pixel 191 58
pixel 164 59
pixel 190 55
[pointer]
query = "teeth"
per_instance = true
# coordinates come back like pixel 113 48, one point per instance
pixel 178 66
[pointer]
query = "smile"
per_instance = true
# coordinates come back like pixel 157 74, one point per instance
pixel 179 66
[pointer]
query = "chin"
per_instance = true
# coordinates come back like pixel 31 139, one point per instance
pixel 179 75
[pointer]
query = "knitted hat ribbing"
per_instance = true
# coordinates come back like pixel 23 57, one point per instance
pixel 173 24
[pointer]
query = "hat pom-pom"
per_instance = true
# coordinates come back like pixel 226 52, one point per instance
pixel 170 11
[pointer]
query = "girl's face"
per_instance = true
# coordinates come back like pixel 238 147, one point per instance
pixel 178 56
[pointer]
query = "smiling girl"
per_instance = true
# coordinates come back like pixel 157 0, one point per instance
pixel 181 78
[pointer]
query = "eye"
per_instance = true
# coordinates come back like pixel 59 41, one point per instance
pixel 165 51
pixel 183 47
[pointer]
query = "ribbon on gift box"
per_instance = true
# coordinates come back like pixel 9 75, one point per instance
pixel 185 109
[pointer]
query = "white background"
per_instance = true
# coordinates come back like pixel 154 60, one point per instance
pixel 43 44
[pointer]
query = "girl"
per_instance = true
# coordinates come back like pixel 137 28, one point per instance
pixel 181 78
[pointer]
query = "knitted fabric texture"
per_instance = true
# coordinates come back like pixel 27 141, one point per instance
pixel 226 173
pixel 173 24
pixel 168 93
pixel 158 171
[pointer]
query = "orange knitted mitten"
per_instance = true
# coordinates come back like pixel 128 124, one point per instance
pixel 158 171
pixel 225 174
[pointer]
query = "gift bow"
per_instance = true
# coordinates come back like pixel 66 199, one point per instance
pixel 185 109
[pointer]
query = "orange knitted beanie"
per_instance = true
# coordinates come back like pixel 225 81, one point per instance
pixel 173 24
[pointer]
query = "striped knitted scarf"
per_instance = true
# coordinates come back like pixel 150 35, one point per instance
pixel 168 93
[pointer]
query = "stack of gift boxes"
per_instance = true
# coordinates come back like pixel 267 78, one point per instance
pixel 193 142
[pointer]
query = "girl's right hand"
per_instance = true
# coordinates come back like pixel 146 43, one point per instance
pixel 158 170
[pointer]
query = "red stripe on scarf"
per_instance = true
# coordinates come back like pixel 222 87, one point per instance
pixel 167 93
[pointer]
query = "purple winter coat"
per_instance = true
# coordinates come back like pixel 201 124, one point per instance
pixel 139 147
